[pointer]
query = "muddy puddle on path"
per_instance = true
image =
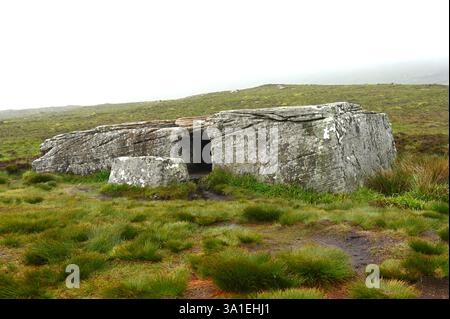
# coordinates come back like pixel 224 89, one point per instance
pixel 355 245
pixel 359 245
pixel 204 289
pixel 363 247
pixel 433 288
pixel 73 190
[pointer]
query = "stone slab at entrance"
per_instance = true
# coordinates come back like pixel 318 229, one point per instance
pixel 148 171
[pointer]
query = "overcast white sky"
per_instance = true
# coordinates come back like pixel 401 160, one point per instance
pixel 59 52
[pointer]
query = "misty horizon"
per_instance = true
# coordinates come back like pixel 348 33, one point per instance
pixel 434 71
pixel 50 59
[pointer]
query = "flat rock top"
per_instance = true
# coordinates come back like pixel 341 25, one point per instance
pixel 293 113
pixel 149 159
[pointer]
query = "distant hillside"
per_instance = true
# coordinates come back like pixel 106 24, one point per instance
pixel 11 114
pixel 419 113
pixel 423 72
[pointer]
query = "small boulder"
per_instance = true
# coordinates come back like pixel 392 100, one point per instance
pixel 148 171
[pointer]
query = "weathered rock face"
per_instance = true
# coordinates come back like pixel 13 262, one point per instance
pixel 331 147
pixel 148 171
pixel 84 152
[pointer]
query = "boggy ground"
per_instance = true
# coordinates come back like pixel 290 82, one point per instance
pixel 226 237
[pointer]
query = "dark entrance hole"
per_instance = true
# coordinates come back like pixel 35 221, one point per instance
pixel 198 170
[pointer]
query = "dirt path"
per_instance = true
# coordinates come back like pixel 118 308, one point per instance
pixel 204 289
pixel 356 245
pixel 361 246
pixel 433 288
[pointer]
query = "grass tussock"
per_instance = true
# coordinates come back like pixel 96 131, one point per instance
pixel 30 178
pixel 440 207
pixel 103 239
pixel 392 182
pixel 424 178
pixel 292 293
pixel 159 285
pixel 47 251
pixel 443 234
pixel 163 233
pixel 240 271
pixel 262 213
pixel 294 217
pixel 138 251
pixel 11 242
pixel 394 269
pixel 427 248
pixel 26 226
pixel 148 244
pixel 424 259
pixel 89 263
pixel 184 191
pixel 216 239
pixel 318 265
pixel 420 265
pixel 389 289
pixel 32 286
pixel 202 216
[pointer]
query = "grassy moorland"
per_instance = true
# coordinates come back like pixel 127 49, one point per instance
pixel 419 113
pixel 250 239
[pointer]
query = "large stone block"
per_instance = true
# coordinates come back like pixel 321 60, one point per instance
pixel 148 171
pixel 329 148
pixel 85 152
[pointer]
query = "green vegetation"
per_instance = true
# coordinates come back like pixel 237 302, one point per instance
pixel 45 252
pixel 239 271
pixel 32 286
pixel 89 263
pixel 418 179
pixel 427 265
pixel 424 259
pixel 262 213
pixel 443 233
pixel 427 248
pixel 419 113
pixel 112 238
pixel 293 293
pixel 11 242
pixel 217 238
pixel 202 216
pixel 441 207
pixel 31 177
pixel 138 250
pixel 263 240
pixel 390 289
pixel 160 285
pixel 317 265
pixel 182 191
pixel 23 226
pixel 394 269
